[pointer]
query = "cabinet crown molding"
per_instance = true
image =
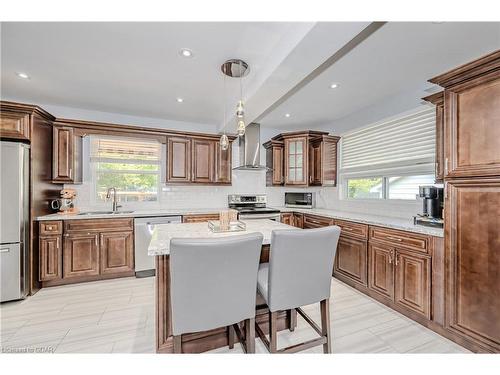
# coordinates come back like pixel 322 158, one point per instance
pixel 25 108
pixel 481 66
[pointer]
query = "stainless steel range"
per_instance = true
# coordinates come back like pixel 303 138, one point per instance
pixel 252 207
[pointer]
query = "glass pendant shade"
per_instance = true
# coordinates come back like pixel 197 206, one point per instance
pixel 240 112
pixel 241 127
pixel 224 142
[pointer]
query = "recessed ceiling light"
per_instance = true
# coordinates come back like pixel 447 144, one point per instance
pixel 22 75
pixel 287 115
pixel 179 100
pixel 334 85
pixel 186 52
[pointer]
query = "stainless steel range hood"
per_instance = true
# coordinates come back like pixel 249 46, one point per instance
pixel 250 149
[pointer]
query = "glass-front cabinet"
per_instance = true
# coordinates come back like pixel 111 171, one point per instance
pixel 296 161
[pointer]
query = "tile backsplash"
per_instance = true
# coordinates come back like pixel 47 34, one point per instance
pixel 247 182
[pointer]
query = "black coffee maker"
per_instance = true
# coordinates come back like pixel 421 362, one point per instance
pixel 432 210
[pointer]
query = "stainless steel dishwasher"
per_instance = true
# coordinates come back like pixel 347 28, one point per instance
pixel 144 226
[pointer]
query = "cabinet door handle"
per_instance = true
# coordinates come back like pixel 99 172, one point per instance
pixel 71 173
pixel 348 229
pixel 446 166
pixel 396 259
pixel 394 238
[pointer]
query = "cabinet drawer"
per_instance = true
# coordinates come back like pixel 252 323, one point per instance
pixel 312 221
pixel 401 239
pixel 50 227
pixel 98 225
pixel 200 218
pixel 353 229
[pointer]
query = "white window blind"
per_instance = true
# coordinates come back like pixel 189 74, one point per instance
pixel 125 149
pixel 406 140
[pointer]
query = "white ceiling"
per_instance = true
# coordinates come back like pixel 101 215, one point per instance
pixel 397 58
pixel 136 69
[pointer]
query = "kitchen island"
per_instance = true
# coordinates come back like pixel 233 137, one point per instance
pixel 203 341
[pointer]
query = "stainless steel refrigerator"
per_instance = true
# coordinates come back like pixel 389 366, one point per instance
pixel 14 216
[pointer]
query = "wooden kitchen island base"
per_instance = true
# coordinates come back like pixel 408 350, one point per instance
pixel 202 341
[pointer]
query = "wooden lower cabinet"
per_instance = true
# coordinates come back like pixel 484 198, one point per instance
pixel 351 259
pixel 50 258
pixel 85 250
pixel 413 282
pixel 298 220
pixel 117 252
pixel 287 218
pixel 80 255
pixel 199 218
pixel 472 253
pixel 402 276
pixel 381 270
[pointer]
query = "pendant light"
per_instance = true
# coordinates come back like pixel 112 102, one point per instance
pixel 224 141
pixel 240 111
pixel 237 68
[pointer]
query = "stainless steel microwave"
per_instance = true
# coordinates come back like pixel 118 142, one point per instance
pixel 299 200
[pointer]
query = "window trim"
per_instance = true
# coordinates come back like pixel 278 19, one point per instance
pixel 385 174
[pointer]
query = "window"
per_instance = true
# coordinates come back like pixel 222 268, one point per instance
pixel 132 166
pixel 389 159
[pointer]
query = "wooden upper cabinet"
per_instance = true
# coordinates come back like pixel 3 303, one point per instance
pixel 178 159
pixel 438 100
pixel 80 255
pixel 203 157
pixel 381 269
pixel 198 160
pixel 472 118
pixel 323 161
pixel 413 282
pixel 296 162
pixel 67 155
pixel 274 161
pixel 15 125
pixel 472 251
pixel 223 164
pixel 306 158
pixel 116 252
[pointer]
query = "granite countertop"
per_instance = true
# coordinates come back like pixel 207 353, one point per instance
pixel 163 233
pixel 135 213
pixel 384 221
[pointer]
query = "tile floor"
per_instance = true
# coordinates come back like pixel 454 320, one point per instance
pixel 117 316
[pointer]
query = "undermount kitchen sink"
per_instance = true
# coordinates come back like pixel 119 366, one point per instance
pixel 90 213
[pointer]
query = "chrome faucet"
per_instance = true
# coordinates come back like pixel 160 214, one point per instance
pixel 115 203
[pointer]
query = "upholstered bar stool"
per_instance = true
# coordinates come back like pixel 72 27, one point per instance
pixel 299 273
pixel 213 285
